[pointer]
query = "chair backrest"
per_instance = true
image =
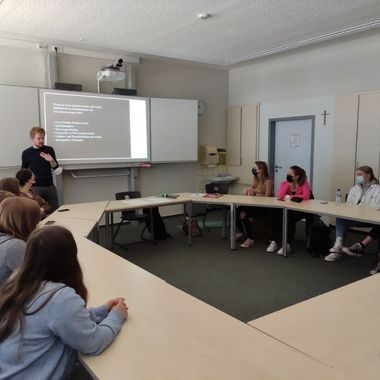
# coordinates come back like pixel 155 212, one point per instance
pixel 217 187
pixel 127 195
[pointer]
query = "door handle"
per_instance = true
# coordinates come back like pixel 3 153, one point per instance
pixel 277 167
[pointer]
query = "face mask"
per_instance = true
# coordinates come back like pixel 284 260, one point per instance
pixel 289 178
pixel 359 179
pixel 254 172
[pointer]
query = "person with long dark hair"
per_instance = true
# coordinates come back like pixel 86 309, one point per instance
pixel 19 217
pixel 44 321
pixel 262 186
pixel 365 193
pixel 295 186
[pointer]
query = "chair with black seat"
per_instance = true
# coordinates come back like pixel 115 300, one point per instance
pixel 131 215
pixel 216 188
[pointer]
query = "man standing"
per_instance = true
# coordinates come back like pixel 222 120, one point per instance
pixel 40 159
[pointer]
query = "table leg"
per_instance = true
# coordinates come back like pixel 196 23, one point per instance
pixel 97 233
pixel 107 216
pixel 232 227
pixel 284 230
pixel 111 235
pixel 190 213
pixel 224 228
pixel 151 223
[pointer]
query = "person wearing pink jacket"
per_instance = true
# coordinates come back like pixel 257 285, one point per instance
pixel 295 187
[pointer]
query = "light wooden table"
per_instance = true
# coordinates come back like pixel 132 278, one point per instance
pixel 171 335
pixel 82 227
pixel 232 201
pixel 90 210
pixel 340 328
pixel 136 204
pixel 343 210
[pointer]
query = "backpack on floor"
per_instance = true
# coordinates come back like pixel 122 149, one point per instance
pixel 158 224
pixel 195 230
pixel 318 238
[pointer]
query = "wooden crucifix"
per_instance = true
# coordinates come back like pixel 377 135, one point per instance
pixel 324 114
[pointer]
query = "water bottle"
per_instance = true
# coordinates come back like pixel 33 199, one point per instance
pixel 338 197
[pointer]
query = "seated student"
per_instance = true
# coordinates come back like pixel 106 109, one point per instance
pixel 365 193
pixel 10 184
pixel 295 186
pixel 19 217
pixel 357 249
pixel 5 194
pixel 26 180
pixel 262 186
pixel 44 321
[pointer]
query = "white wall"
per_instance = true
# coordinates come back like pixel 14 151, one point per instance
pixel 306 81
pixel 26 67
pixel 22 67
pixel 340 66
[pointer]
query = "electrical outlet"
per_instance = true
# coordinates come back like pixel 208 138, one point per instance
pixel 42 46
pixel 57 49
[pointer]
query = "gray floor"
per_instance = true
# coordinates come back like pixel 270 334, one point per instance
pixel 246 283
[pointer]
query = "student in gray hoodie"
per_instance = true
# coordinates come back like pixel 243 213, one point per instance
pixel 44 321
pixel 19 217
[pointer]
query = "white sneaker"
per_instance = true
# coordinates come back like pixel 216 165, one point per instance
pixel 272 247
pixel 334 256
pixel 248 243
pixel 336 249
pixel 288 250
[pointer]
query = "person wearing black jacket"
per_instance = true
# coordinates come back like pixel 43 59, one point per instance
pixel 41 160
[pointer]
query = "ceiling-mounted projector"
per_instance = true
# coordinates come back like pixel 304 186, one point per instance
pixel 111 73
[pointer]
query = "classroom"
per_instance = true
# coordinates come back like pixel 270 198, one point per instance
pixel 196 107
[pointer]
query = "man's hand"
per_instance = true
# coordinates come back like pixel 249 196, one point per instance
pixel 49 158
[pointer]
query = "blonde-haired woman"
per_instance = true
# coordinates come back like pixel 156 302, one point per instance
pixel 19 217
pixel 262 186
pixel 10 184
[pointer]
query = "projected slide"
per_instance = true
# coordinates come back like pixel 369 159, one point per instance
pixel 94 128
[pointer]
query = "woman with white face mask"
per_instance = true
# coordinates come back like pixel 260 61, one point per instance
pixel 366 193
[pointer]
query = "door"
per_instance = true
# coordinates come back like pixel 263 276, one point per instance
pixel 291 143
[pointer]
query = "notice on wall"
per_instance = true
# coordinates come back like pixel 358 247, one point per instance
pixel 294 141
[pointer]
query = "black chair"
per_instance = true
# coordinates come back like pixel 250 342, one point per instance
pixel 131 215
pixel 216 188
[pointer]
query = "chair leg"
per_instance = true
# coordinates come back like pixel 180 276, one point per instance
pixel 224 229
pixel 145 239
pixel 204 220
pixel 117 230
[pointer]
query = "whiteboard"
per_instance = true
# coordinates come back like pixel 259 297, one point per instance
pixel 174 130
pixel 18 114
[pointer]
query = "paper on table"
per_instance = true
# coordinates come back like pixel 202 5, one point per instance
pixel 135 202
pixel 159 200
pixel 198 195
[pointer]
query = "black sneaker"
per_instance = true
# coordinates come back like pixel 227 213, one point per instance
pixel 355 250
pixel 376 269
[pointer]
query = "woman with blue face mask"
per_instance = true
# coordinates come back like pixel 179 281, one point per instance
pixel 366 193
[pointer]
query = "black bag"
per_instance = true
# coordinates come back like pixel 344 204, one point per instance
pixel 158 224
pixel 318 238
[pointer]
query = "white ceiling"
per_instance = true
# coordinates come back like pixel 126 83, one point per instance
pixel 238 30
